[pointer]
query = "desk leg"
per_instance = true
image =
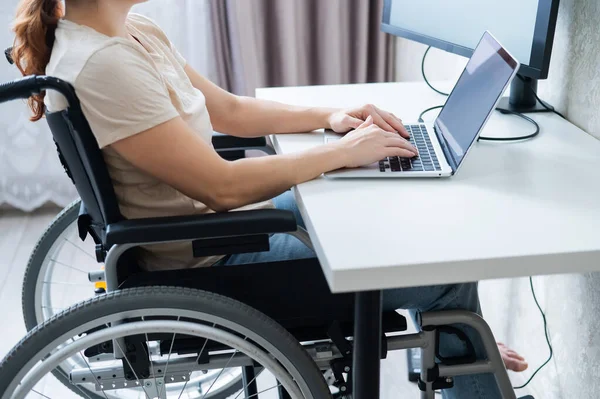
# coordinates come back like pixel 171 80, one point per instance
pixel 367 344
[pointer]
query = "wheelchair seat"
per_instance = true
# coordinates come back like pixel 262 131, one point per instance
pixel 293 293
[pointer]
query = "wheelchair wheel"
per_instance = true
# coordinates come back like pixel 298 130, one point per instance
pixel 155 327
pixel 56 274
pixel 56 278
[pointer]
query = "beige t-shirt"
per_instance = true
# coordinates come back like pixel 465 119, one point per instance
pixel 127 87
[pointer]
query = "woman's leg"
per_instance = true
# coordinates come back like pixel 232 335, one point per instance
pixel 283 246
pixel 447 297
pixel 457 296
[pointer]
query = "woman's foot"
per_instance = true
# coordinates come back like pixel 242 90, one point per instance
pixel 512 360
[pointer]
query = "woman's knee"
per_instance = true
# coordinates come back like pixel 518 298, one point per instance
pixel 439 297
pixel 288 247
pixel 287 202
pixel 467 297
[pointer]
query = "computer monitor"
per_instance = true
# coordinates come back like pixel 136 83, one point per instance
pixel 525 27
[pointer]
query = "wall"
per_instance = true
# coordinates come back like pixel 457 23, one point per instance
pixel 571 302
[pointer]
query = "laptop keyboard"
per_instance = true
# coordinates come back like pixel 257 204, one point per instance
pixel 427 161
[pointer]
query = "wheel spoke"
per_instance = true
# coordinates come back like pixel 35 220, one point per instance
pixel 69 266
pixel 150 358
pixel 168 359
pixel 245 386
pixel 264 390
pixel 197 359
pixel 132 369
pixel 221 372
pixel 81 249
pixel 96 381
pixel 41 394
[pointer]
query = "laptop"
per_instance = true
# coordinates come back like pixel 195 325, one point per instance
pixel 444 144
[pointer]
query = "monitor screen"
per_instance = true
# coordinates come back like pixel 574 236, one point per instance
pixel 463 22
pixel 486 76
pixel 524 27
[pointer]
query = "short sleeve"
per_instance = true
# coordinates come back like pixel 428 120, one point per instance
pixel 180 59
pixel 122 94
pixel 159 33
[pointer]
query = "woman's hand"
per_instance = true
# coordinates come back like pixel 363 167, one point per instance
pixel 369 143
pixel 346 120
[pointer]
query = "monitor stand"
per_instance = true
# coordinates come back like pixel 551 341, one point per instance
pixel 522 98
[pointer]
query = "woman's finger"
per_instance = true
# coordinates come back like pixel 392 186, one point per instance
pixel 353 123
pixel 394 122
pixel 399 142
pixel 398 152
pixel 368 122
pixel 391 135
pixel 379 121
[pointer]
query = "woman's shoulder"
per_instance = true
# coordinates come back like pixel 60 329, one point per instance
pixel 147 26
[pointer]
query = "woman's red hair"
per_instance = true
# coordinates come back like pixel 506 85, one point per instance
pixel 35 25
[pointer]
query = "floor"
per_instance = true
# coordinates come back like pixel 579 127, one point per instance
pixel 18 235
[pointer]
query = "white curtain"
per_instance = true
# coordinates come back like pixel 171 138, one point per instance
pixel 30 173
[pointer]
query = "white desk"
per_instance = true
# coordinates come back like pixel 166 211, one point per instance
pixel 513 210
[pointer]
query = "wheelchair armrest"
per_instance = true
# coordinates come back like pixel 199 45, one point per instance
pixel 200 227
pixel 225 142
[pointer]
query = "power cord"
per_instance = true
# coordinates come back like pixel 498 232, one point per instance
pixel 428 110
pixel 539 100
pixel 545 332
pixel 518 138
pixel 425 75
pixel 503 111
pixel 497 139
pixel 506 139
pixel 543 104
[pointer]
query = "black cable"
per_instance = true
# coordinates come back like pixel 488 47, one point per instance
pixel 546 333
pixel 543 104
pixel 518 138
pixel 497 139
pixel 503 111
pixel 539 100
pixel 425 75
pixel 420 120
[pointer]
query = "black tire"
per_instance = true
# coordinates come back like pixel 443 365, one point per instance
pixel 67 217
pixel 172 299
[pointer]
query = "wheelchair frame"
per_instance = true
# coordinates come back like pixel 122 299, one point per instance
pixel 116 239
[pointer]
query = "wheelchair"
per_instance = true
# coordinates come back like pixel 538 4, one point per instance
pixel 223 332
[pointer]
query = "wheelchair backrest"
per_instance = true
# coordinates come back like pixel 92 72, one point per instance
pixel 84 163
pixel 79 154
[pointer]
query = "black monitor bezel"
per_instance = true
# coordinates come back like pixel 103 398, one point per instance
pixel 543 38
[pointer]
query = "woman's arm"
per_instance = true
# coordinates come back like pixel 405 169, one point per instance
pixel 174 154
pixel 251 117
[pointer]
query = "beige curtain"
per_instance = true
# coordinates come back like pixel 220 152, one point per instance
pixel 267 43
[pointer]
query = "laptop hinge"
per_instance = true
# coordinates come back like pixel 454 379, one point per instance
pixel 447 153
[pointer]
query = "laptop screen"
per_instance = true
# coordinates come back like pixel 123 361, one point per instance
pixel 477 91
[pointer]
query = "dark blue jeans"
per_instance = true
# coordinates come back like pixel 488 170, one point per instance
pixel 423 299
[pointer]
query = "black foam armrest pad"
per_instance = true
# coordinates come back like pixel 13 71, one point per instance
pixel 225 142
pixel 197 227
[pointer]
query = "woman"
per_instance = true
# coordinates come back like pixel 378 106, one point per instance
pixel 153 117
